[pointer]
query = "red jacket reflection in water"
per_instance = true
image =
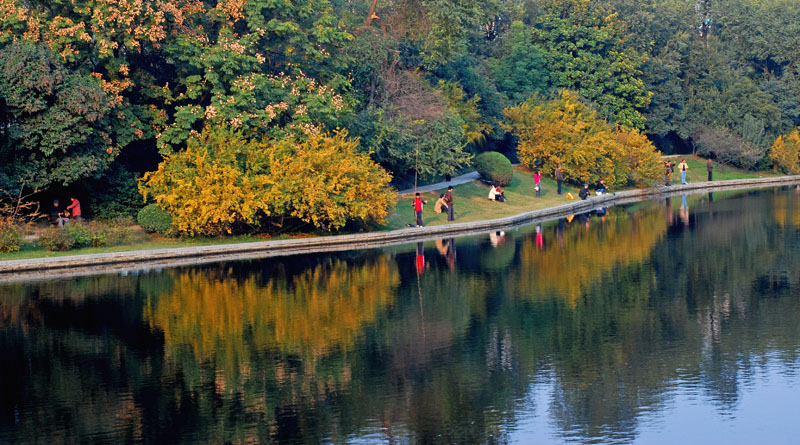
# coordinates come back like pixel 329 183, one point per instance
pixel 420 261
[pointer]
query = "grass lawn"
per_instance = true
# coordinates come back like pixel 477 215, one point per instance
pixel 472 202
pixel 697 170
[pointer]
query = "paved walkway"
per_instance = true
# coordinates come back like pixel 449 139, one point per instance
pixel 463 179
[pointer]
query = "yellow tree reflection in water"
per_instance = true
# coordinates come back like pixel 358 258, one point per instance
pixel 319 309
pixel 569 268
pixel 785 211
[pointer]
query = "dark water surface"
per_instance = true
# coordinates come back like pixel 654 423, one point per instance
pixel 675 321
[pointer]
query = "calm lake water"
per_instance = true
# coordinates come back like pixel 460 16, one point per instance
pixel 676 321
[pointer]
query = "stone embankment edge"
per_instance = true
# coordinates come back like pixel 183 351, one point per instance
pixel 170 257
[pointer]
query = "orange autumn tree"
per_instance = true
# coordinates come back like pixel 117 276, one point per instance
pixel 566 131
pixel 224 183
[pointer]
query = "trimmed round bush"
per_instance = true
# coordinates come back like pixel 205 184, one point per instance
pixel 153 218
pixel 494 167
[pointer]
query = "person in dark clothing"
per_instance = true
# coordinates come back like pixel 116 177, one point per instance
pixel 55 211
pixel 58 216
pixel 584 193
pixel 709 167
pixel 448 199
pixel 600 188
pixel 667 173
pixel 418 202
pixel 559 177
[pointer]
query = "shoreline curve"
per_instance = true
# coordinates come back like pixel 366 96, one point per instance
pixel 142 260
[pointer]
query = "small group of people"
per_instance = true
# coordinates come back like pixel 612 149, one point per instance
pixel 443 204
pixel 60 216
pixel 497 194
pixel 683 168
pixel 599 189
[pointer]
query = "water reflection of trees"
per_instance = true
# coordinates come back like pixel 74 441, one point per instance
pixel 308 313
pixel 335 347
pixel 569 267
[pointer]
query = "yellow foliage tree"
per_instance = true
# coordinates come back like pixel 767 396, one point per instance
pixel 222 182
pixel 566 131
pixel 638 159
pixel 786 152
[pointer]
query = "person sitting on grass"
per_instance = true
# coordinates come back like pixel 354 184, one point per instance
pixel 499 194
pixel 492 193
pixel 57 214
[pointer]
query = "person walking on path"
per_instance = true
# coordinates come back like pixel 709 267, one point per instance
pixel 559 177
pixel 448 199
pixel 537 179
pixel 418 202
pixel 709 167
pixel 683 167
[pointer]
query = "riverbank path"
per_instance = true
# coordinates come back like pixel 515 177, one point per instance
pixel 463 179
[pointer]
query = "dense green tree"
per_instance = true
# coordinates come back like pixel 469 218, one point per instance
pixel 421 82
pixel 52 121
pixel 521 69
pixel 586 53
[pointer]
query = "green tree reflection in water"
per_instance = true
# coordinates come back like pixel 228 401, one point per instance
pixel 382 346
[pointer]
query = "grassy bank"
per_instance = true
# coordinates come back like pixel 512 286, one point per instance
pixel 471 204
pixel 697 170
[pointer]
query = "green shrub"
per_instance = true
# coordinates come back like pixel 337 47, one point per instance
pixel 71 236
pixel 10 238
pixel 153 218
pixel 60 239
pixel 494 167
pixel 93 234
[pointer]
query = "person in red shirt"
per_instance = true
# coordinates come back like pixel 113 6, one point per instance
pixel 418 202
pixel 500 194
pixel 75 209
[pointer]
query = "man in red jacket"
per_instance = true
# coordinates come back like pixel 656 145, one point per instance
pixel 418 202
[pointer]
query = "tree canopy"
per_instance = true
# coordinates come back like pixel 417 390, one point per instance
pixel 94 95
